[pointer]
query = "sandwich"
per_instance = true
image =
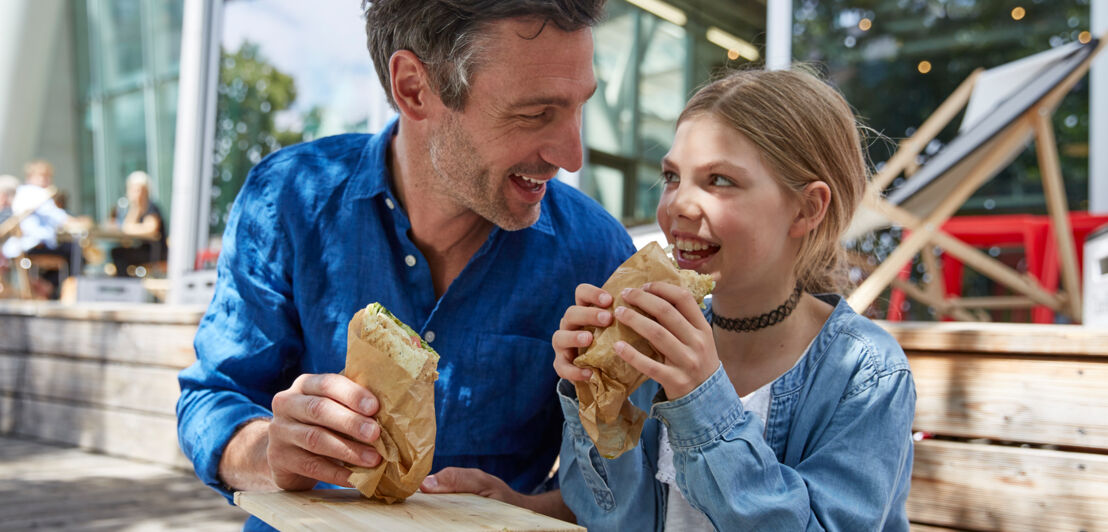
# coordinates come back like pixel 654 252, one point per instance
pixel 609 418
pixel 390 359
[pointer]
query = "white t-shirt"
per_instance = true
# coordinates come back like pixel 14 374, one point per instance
pixel 680 515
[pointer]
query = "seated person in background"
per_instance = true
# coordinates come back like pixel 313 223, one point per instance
pixel 139 217
pixel 8 185
pixel 39 231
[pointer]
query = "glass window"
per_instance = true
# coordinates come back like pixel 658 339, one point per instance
pixel 642 85
pixel 166 20
pixel 120 32
pixel 126 133
pixel 290 71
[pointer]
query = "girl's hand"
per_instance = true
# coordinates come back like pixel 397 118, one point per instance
pixel 590 311
pixel 672 322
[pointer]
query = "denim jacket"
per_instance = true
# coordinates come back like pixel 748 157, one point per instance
pixel 836 452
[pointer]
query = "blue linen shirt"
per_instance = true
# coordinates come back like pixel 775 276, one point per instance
pixel 316 234
pixel 835 454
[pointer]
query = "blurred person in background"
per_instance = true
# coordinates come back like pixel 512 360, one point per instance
pixel 8 185
pixel 139 217
pixel 39 230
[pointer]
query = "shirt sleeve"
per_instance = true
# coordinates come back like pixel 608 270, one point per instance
pixel 852 474
pixel 249 342
pixel 605 494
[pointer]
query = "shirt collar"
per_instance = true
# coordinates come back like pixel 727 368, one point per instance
pixel 374 163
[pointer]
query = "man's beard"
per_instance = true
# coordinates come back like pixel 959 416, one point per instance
pixel 459 173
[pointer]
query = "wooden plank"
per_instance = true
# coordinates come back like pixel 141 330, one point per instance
pixel 1024 399
pixel 119 312
pixel 1046 147
pixel 989 487
pixel 347 510
pixel 149 437
pixel 1000 338
pixel 168 345
pixel 112 385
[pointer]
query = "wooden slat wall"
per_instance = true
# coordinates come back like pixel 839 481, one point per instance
pixel 1040 386
pixel 103 378
pixel 991 487
pixel 1045 400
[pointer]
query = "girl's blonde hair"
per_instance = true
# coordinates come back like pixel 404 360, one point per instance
pixel 805 132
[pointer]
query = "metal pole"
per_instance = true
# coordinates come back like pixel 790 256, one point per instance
pixel 779 34
pixel 191 156
pixel 1098 114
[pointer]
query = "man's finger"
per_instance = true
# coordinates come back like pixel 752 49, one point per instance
pixel 339 389
pixel 458 480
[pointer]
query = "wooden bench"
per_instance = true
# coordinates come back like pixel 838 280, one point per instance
pixel 101 376
pixel 1017 423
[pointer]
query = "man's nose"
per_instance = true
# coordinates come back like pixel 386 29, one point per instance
pixel 564 147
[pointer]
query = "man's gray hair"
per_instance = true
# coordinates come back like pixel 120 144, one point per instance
pixel 8 184
pixel 446 35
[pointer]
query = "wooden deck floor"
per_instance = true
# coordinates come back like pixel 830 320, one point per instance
pixel 46 487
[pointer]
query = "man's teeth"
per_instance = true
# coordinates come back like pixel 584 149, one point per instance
pixel 532 181
pixel 692 245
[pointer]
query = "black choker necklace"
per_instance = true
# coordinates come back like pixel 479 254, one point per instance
pixel 761 321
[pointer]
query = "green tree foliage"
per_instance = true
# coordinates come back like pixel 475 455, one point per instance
pixel 251 94
pixel 873 49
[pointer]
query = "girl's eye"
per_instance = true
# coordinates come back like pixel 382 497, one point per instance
pixel 670 177
pixel 720 181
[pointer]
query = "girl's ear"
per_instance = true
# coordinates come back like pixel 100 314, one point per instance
pixel 814 200
pixel 410 85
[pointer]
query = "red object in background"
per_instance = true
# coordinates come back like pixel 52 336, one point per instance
pixel 1032 232
pixel 206 259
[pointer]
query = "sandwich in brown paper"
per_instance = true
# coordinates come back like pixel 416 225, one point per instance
pixel 392 361
pixel 609 418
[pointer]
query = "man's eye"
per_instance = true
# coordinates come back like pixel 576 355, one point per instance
pixel 538 116
pixel 670 177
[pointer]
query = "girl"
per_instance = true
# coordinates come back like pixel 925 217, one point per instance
pixel 777 408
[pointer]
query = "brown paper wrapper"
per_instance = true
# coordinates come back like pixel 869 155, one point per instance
pixel 406 417
pixel 609 418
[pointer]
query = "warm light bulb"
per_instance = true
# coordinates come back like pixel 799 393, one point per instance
pixel 865 24
pixel 732 54
pixel 1084 37
pixel 924 67
pixel 1018 13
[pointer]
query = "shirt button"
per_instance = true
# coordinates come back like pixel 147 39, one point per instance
pixel 390 204
pixel 429 336
pixel 409 260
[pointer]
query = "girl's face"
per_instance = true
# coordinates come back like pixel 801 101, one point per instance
pixel 724 213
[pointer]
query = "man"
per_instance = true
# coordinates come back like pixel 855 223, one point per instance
pixel 450 218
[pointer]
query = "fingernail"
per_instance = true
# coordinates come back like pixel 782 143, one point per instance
pixel 646 286
pixel 429 483
pixel 583 337
pixel 605 300
pixel 605 317
pixel 371 459
pixel 620 311
pixel 620 346
pixel 625 291
pixel 368 406
pixel 367 431
pixel 587 373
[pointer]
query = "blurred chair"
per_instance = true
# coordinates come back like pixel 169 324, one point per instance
pixel 1005 108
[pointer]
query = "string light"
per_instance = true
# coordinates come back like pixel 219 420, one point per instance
pixel 732 54
pixel 1084 37
pixel 1018 13
pixel 865 24
pixel 924 67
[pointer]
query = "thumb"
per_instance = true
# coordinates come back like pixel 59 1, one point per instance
pixel 455 480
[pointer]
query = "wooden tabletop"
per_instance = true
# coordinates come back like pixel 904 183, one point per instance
pixel 346 510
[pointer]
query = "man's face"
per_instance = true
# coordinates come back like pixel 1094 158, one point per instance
pixel 40 177
pixel 521 122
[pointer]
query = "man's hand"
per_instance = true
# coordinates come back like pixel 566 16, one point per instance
pixel 467 480
pixel 318 424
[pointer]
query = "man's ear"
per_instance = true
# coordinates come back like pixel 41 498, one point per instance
pixel 411 88
pixel 814 200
